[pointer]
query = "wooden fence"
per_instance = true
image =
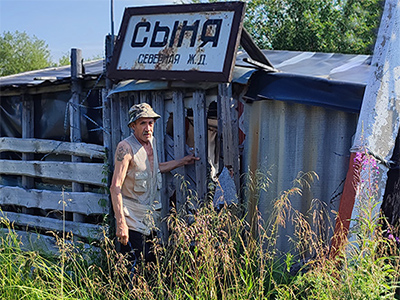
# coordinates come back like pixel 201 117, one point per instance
pixel 51 209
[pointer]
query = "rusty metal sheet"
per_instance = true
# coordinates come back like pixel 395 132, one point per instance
pixel 287 138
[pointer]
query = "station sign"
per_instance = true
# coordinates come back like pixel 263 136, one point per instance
pixel 189 42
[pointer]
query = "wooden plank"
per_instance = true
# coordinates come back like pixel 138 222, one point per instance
pixel 145 97
pixel 31 241
pixel 75 113
pixel 50 224
pixel 37 90
pixel 159 130
pixel 179 140
pixel 27 132
pixel 115 123
pixel 229 129
pixel 235 142
pixel 159 133
pixel 106 124
pixel 51 146
pixel 90 173
pixel 251 48
pixel 200 141
pixel 124 115
pixel 79 202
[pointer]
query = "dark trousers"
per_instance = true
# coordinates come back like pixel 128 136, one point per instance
pixel 139 247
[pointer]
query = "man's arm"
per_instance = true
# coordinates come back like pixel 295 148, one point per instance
pixel 123 157
pixel 173 164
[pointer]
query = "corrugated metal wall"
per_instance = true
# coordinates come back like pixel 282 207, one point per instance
pixel 288 138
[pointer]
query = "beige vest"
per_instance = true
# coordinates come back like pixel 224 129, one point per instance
pixel 141 189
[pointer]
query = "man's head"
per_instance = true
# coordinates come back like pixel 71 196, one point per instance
pixel 141 120
pixel 142 110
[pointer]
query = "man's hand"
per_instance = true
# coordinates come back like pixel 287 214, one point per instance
pixel 189 159
pixel 122 232
pixel 173 164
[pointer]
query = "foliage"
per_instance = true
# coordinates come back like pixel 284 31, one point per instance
pixel 341 26
pixel 218 255
pixel 64 60
pixel 20 52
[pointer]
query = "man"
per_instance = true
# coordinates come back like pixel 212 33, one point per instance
pixel 136 183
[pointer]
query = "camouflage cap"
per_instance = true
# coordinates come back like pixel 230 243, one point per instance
pixel 142 110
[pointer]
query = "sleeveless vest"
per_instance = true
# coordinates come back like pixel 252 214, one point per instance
pixel 141 189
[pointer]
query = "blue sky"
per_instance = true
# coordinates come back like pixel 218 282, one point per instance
pixel 66 24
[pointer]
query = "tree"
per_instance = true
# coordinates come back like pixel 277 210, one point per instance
pixel 20 52
pixel 64 60
pixel 344 26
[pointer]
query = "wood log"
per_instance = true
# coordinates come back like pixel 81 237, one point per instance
pixel 83 230
pixel 90 173
pixel 179 139
pixel 31 241
pixel 201 142
pixel 50 146
pixel 77 202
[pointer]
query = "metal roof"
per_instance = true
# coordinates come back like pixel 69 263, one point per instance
pixel 329 75
pixel 52 75
pixel 351 68
pixel 339 67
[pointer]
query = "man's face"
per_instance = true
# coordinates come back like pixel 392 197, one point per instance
pixel 143 129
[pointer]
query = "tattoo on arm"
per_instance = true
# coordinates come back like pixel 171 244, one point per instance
pixel 121 152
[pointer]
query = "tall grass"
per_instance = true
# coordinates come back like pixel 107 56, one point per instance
pixel 219 255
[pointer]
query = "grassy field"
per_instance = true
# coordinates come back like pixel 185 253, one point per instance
pixel 218 256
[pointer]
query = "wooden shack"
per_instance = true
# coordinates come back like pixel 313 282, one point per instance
pixel 58 134
pixel 53 167
pixel 59 129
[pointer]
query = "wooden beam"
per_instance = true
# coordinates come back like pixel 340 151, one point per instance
pixel 83 230
pixel 145 97
pixel 75 112
pixel 200 141
pixel 27 132
pixel 252 49
pixel 230 129
pixel 51 146
pixel 159 130
pixel 107 124
pixel 158 99
pixel 37 90
pixel 124 115
pixel 80 202
pixel 116 135
pixel 179 140
pixel 90 173
pixel 31 241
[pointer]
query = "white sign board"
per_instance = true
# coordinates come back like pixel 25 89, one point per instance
pixel 178 42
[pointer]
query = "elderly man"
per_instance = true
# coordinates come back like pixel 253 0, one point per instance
pixel 136 183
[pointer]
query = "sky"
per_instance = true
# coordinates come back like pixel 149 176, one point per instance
pixel 66 24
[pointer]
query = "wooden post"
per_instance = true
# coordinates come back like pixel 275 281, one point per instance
pixel 200 141
pixel 230 129
pixel 124 115
pixel 116 134
pixel 159 133
pixel 107 134
pixel 179 141
pixel 107 125
pixel 145 97
pixel 74 113
pixel 27 132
